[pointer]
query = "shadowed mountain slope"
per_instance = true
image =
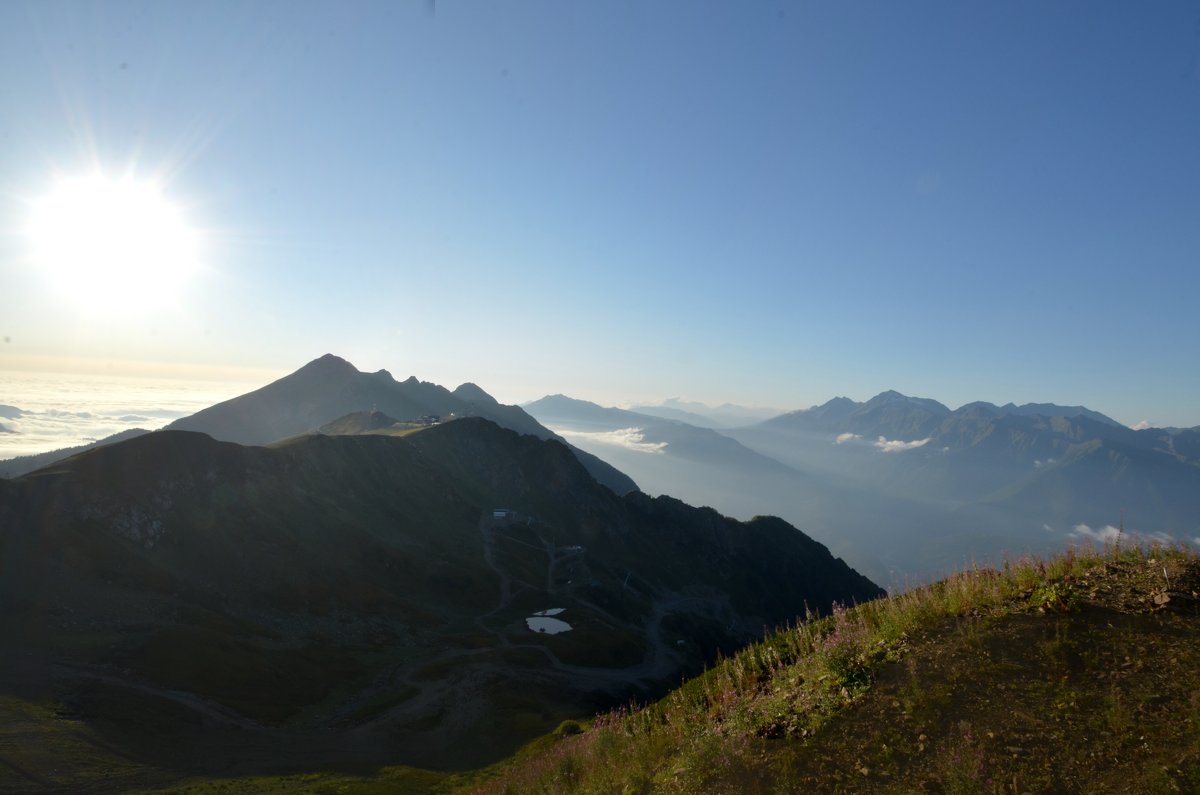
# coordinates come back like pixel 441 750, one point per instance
pixel 15 467
pixel 354 600
pixel 360 422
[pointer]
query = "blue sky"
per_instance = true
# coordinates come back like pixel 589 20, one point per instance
pixel 766 203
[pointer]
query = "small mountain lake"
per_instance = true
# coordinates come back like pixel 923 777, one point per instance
pixel 542 621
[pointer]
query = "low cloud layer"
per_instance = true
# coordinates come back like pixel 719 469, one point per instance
pixel 897 446
pixel 629 438
pixel 1104 535
pixel 842 438
pixel 47 412
pixel 1109 535
pixel 1143 425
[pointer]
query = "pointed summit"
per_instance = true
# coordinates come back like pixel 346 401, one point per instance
pixel 472 393
pixel 891 396
pixel 838 406
pixel 887 396
pixel 328 365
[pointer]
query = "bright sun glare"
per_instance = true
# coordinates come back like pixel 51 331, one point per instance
pixel 113 241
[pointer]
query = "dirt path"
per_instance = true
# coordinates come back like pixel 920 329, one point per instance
pixel 209 709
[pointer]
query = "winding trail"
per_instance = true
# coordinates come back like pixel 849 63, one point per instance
pixel 209 709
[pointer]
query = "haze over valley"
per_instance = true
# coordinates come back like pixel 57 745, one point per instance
pixel 907 489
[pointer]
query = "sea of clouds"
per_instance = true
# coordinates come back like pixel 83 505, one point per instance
pixel 40 412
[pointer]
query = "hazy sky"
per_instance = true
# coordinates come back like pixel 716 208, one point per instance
pixel 759 202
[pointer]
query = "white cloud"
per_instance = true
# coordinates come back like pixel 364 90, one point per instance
pixel 1104 535
pixel 63 410
pixel 1109 534
pixel 1143 425
pixel 846 437
pixel 629 438
pixel 1046 463
pixel 1196 541
pixel 897 446
pixel 1048 528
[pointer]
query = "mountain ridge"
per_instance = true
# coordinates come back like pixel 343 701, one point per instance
pixel 330 387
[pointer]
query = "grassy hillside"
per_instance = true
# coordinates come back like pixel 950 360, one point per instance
pixel 1079 674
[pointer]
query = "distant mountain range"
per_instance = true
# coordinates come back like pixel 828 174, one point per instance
pixel 905 487
pixel 726 415
pixel 366 598
pixel 891 413
pixel 982 451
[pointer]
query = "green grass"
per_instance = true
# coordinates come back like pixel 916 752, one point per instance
pixel 1042 675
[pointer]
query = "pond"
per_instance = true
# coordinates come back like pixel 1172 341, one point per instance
pixel 541 621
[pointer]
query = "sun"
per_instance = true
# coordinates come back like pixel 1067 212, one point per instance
pixel 113 241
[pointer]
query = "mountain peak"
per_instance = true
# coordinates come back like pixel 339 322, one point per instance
pixel 980 408
pixel 329 364
pixel 892 396
pixel 472 393
pixel 559 399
